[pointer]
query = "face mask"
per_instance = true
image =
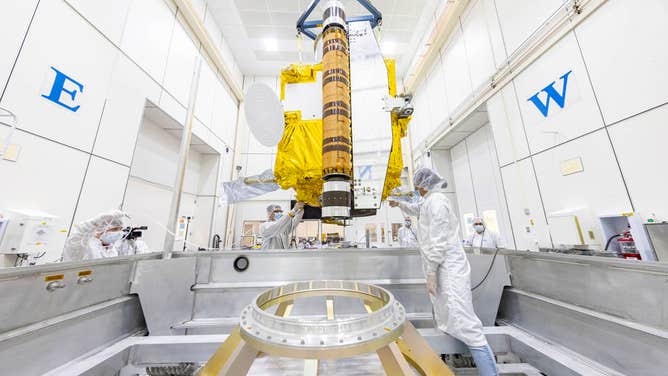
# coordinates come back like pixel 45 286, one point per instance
pixel 111 237
pixel 407 224
pixel 479 228
pixel 277 216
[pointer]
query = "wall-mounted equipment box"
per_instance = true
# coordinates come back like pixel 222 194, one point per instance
pixel 612 225
pixel 26 232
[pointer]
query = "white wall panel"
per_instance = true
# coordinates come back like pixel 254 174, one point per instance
pixel 156 155
pixel 107 16
pixel 129 89
pixel 525 207
pixel 520 18
pixel 640 146
pixel 34 76
pixel 209 174
pixel 257 163
pixel 201 225
pixel 148 204
pixel 205 93
pixel 172 107
pixel 506 122
pixel 596 191
pixel 494 31
pixel 480 54
pixel 624 46
pixel 103 189
pixel 443 165
pixel 580 113
pixel 456 71
pixel 46 177
pixel 439 108
pixel 147 35
pixel 486 179
pixel 180 65
pixel 463 182
pixel 421 121
pixel 224 120
pixel 14 18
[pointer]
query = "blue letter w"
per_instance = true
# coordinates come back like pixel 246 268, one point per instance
pixel 552 93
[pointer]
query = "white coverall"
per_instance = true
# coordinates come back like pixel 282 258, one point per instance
pixel 95 249
pixel 83 244
pixel 407 237
pixel 488 239
pixel 442 253
pixel 276 234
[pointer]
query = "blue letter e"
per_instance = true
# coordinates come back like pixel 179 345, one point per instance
pixel 59 87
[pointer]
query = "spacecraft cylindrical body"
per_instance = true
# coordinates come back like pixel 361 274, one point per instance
pixel 336 114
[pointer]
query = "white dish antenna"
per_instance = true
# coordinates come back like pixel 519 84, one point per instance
pixel 264 114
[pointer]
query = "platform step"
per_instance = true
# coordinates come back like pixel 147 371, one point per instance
pixel 229 322
pixel 269 284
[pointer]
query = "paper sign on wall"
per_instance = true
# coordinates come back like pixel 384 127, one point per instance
pixel 571 166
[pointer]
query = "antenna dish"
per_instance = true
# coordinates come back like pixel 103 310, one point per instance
pixel 264 114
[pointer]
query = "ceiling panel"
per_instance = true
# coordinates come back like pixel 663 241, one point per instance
pixel 262 34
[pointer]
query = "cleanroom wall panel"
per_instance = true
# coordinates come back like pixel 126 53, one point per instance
pixel 46 177
pixel 148 204
pixel 507 127
pixel 478 42
pixel 107 16
pixel 624 47
pixel 156 155
pixel 442 163
pixel 456 71
pixel 147 35
pixel 122 116
pixel 439 108
pixel 103 188
pixel 35 77
pixel 202 221
pixel 421 121
pixel 525 206
pixel 180 65
pixel 14 18
pixel 486 179
pixel 640 146
pixel 579 114
pixel 172 107
pixel 206 89
pixel 224 120
pixel 520 18
pixel 597 190
pixel 461 170
pixel 494 30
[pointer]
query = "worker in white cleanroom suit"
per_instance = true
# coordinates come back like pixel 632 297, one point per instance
pixel 99 237
pixel 446 267
pixel 277 230
pixel 483 237
pixel 406 234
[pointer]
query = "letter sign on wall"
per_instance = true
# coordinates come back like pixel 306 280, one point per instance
pixel 364 171
pixel 552 94
pixel 64 84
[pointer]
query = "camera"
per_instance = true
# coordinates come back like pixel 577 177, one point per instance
pixel 132 233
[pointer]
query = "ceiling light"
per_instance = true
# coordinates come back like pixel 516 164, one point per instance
pixel 270 44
